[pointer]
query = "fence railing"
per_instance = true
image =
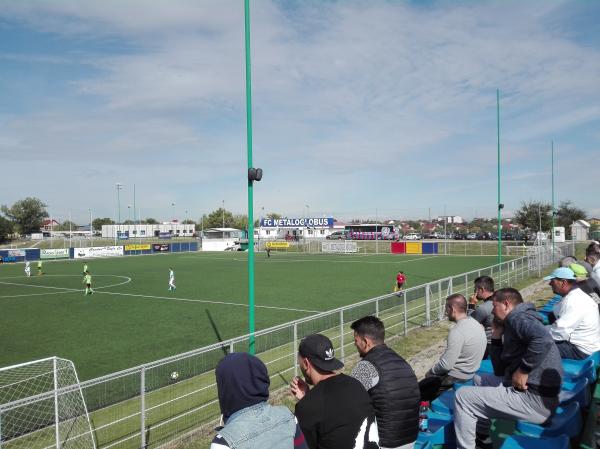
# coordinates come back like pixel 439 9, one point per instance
pixel 156 403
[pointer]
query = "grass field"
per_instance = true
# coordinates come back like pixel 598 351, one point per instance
pixel 133 319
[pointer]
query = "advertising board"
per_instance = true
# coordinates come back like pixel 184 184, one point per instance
pixel 56 253
pixel 98 251
pixel 160 247
pixel 339 247
pixel 164 235
pixel 16 253
pixel 278 245
pixel 296 222
pixel 137 247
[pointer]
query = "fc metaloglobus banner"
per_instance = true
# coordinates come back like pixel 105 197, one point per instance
pixel 296 222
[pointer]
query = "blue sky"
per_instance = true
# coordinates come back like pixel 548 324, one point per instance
pixel 360 109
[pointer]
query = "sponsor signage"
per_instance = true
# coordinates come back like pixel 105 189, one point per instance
pixel 98 251
pixel 277 245
pixel 122 235
pixel 160 247
pixel 164 235
pixel 296 222
pixel 57 253
pixel 137 247
pixel 16 253
pixel 339 247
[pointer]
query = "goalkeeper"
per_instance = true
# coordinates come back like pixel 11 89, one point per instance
pixel 87 280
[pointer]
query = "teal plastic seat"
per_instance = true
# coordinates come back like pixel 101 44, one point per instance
pixel 575 392
pixel 566 420
pixel 486 367
pixel 574 370
pixel 527 442
pixel 444 404
pixel 441 431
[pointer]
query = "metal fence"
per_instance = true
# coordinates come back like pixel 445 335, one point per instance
pixel 157 403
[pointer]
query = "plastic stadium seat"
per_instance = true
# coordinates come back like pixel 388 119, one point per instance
pixel 576 369
pixel 566 420
pixel 486 367
pixel 575 392
pixel 441 431
pixel 526 442
pixel 468 383
pixel 444 404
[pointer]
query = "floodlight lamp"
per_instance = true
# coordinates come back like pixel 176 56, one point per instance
pixel 500 206
pixel 254 174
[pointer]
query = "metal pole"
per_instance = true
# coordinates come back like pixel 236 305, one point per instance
pixel 56 416
pixel 70 231
pixel 405 314
pixel 143 408
pixel 223 214
pixel 553 201
pixel 342 335
pixel 295 348
pixel 251 348
pixel 119 187
pixel 91 230
pixel 499 207
pixel 376 239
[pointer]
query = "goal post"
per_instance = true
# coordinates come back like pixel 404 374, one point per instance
pixel 42 407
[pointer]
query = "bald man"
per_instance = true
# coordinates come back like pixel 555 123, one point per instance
pixel 465 347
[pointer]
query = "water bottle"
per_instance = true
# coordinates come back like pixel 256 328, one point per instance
pixel 423 418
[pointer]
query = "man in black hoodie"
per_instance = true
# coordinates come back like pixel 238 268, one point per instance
pixel 250 422
pixel 527 369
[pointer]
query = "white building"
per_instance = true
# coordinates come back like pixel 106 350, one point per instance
pixel 580 230
pixel 295 228
pixel 457 219
pixel 126 231
pixel 220 239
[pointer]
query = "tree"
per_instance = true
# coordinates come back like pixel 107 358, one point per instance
pixel 6 228
pixel 240 221
pixel 98 222
pixel 28 214
pixel 150 221
pixel 566 214
pixel 530 213
pixel 216 218
pixel 188 221
pixel 66 226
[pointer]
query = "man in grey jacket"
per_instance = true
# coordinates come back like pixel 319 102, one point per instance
pixel 465 347
pixel 527 374
pixel 483 291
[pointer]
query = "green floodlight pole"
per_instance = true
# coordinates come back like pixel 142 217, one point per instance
pixel 553 235
pixel 500 205
pixel 251 348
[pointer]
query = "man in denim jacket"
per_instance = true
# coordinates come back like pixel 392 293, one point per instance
pixel 250 422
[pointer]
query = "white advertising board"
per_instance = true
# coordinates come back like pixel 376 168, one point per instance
pixel 98 251
pixel 56 253
pixel 339 247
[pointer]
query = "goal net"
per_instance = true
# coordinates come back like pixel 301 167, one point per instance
pixel 42 407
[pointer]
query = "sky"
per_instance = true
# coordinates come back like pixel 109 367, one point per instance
pixel 360 109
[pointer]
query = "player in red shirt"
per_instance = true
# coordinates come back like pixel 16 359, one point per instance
pixel 400 280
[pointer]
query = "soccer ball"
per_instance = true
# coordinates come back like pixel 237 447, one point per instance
pixel 174 375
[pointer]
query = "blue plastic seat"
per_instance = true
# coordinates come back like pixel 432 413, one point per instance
pixel 576 369
pixel 527 442
pixel 444 404
pixel 575 392
pixel 486 367
pixel 441 431
pixel 566 420
pixel 457 385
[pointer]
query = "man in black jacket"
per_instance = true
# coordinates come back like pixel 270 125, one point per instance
pixel 391 383
pixel 527 374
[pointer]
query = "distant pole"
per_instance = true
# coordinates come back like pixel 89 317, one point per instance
pixel 91 230
pixel 119 187
pixel 553 200
pixel 135 229
pixel 223 214
pixel 376 239
pixel 499 203
pixel 251 348
pixel 70 231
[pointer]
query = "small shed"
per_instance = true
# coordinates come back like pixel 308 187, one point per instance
pixel 580 230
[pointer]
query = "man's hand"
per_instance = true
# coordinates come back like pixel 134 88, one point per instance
pixel 473 299
pixel 497 329
pixel 519 380
pixel 298 388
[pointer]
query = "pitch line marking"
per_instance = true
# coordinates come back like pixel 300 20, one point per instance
pixel 65 289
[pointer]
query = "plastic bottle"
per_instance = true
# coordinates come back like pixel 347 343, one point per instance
pixel 423 418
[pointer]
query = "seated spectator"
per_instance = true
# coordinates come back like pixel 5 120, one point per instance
pixel 527 374
pixel 391 383
pixel 250 422
pixel 337 412
pixel 464 350
pixel 483 291
pixel 592 256
pixel 576 330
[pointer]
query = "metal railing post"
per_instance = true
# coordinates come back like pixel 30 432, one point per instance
pixel 405 315
pixel 56 416
pixel 231 347
pixel 377 307
pixel 466 285
pixel 143 407
pixel 295 348
pixel 342 335
pixel 427 306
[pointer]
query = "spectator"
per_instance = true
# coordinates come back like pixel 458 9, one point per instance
pixel 483 291
pixel 250 422
pixel 576 330
pixel 464 350
pixel 337 412
pixel 592 256
pixel 527 372
pixel 391 383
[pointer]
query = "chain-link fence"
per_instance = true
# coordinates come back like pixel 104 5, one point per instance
pixel 156 403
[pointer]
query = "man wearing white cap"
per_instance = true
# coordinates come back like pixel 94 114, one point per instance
pixel 576 331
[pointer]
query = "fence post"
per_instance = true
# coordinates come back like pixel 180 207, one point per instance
pixel 143 407
pixel 342 334
pixel 427 306
pixel 377 307
pixel 440 301
pixel 405 315
pixel 295 348
pixel 466 285
pixel 231 346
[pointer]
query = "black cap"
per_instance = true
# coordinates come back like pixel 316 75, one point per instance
pixel 319 350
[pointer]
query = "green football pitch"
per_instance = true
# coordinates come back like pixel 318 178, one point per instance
pixel 132 318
